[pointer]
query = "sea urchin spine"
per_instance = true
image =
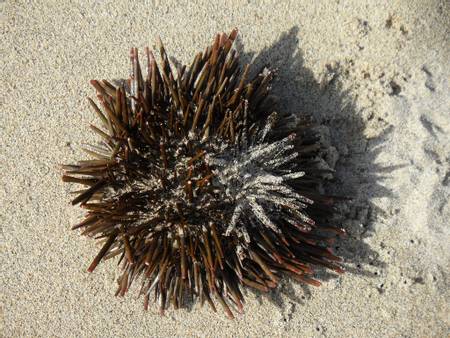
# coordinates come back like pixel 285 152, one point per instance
pixel 195 187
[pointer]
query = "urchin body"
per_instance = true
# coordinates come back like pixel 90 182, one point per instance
pixel 195 186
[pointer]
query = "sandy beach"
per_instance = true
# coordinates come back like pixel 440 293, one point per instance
pixel 374 74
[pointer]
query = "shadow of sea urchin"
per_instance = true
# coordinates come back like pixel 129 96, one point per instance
pixel 198 186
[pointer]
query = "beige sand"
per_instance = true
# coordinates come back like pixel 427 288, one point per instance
pixel 376 74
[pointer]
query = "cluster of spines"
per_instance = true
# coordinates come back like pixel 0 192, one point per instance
pixel 151 195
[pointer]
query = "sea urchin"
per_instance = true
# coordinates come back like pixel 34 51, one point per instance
pixel 198 186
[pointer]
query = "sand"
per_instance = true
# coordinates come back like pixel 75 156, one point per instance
pixel 375 74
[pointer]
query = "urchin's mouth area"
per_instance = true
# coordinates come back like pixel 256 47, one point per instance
pixel 236 186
